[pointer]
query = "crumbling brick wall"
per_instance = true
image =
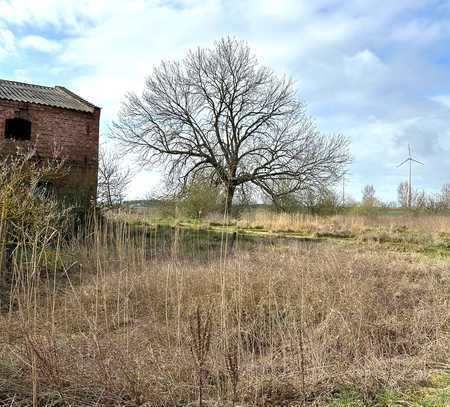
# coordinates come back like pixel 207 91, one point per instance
pixel 72 134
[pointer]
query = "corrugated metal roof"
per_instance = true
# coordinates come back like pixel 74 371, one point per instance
pixel 43 95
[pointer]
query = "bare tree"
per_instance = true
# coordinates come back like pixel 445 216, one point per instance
pixel 445 196
pixel 219 112
pixel 403 194
pixel 113 179
pixel 416 198
pixel 420 200
pixel 368 196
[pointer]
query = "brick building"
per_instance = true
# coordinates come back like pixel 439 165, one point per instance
pixel 53 119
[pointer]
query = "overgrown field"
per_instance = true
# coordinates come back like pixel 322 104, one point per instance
pixel 396 229
pixel 128 316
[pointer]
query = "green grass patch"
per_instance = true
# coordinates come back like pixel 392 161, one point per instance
pixel 435 393
pixel 347 398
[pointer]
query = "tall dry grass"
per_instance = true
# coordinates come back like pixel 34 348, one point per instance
pixel 355 223
pixel 118 317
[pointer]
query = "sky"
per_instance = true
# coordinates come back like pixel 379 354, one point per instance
pixel 375 71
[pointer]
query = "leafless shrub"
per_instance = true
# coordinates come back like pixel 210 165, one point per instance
pixel 113 179
pixel 30 216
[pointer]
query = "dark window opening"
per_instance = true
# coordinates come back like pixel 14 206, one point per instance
pixel 18 129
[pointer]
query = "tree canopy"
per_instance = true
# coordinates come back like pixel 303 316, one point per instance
pixel 218 115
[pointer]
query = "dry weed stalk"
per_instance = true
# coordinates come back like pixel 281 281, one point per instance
pixel 200 329
pixel 232 365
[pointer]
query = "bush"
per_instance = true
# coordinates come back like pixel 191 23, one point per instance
pixel 199 199
pixel 26 207
pixel 32 219
pixel 322 202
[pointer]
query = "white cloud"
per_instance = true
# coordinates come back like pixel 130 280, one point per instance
pixel 442 99
pixel 38 43
pixel 7 42
pixel 365 71
pixel 421 32
pixel 364 63
pixel 120 60
pixel 283 9
pixel 73 14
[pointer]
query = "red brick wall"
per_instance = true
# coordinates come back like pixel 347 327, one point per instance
pixel 73 134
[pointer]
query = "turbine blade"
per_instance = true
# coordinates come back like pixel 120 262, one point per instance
pixel 409 149
pixel 418 162
pixel 403 162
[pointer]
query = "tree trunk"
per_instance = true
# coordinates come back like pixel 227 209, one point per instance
pixel 229 198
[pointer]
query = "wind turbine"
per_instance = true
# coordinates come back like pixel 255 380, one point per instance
pixel 410 159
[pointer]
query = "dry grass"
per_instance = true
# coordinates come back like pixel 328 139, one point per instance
pixel 355 223
pixel 117 320
pixel 352 222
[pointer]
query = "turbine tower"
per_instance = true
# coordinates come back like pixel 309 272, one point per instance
pixel 410 159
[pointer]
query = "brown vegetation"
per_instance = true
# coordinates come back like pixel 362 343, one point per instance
pixel 119 318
